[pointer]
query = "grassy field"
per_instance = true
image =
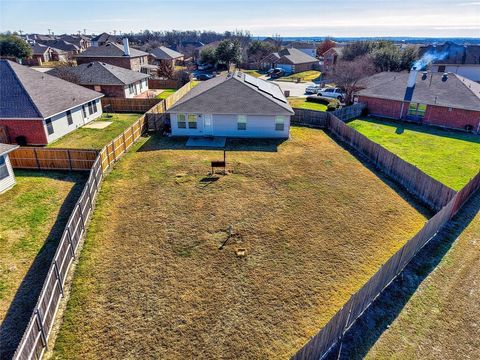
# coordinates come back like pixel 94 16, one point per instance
pixel 153 283
pixel 84 138
pixel 302 103
pixel 440 321
pixel 450 157
pixel 165 93
pixel 309 75
pixel 253 73
pixel 32 217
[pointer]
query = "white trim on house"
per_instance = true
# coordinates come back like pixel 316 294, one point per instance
pixel 8 181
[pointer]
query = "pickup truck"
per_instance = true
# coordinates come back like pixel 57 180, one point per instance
pixel 332 93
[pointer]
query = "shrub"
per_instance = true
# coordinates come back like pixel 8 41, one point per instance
pixel 332 104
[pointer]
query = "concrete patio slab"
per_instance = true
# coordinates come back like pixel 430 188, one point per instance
pixel 98 125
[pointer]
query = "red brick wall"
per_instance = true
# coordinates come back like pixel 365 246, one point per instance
pixel 127 63
pixel 109 90
pixel 435 115
pixel 33 130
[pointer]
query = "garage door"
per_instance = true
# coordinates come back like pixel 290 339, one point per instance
pixel 287 68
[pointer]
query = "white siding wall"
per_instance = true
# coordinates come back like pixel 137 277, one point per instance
pixel 9 181
pixel 471 72
pixel 258 126
pixel 140 86
pixel 60 123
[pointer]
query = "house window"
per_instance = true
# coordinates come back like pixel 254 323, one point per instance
pixel 84 111
pixel 241 122
pixel 95 109
pixel 192 121
pixel 181 123
pixel 69 117
pixel 421 110
pixel 417 110
pixel 279 123
pixel 90 108
pixel 412 109
pixel 49 124
pixel 3 168
pixel 441 68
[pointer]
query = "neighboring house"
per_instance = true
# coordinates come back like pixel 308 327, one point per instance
pixel 291 60
pixel 81 41
pixel 233 105
pixel 307 47
pixel 103 39
pixel 113 81
pixel 115 54
pixel 163 54
pixel 7 177
pixel 330 58
pixel 43 53
pixel 37 108
pixel 447 100
pixel 463 60
pixel 69 49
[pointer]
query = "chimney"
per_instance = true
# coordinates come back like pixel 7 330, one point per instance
pixel 126 48
pixel 412 78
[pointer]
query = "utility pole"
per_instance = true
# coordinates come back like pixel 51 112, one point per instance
pixel 114 32
pixel 84 31
pixel 49 31
pixel 20 32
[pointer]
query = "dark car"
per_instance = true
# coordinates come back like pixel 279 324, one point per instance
pixel 204 77
pixel 276 73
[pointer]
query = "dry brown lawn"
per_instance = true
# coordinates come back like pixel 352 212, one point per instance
pixel 152 282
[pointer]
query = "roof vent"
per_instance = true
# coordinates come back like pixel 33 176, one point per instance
pixel 445 77
pixel 424 75
pixel 90 65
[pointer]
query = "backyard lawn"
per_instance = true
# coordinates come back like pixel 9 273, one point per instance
pixel 32 217
pixel 84 138
pixel 440 321
pixel 309 75
pixel 165 93
pixel 302 103
pixel 451 157
pixel 152 281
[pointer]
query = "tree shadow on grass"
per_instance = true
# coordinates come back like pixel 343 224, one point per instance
pixel 158 142
pixel 25 299
pixel 385 309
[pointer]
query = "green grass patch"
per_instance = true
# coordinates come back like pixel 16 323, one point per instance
pixel 253 73
pixel 302 103
pixel 84 138
pixel 165 93
pixel 451 157
pixel 309 75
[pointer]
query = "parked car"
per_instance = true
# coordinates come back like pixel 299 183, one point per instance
pixel 336 93
pixel 276 73
pixel 203 77
pixel 312 89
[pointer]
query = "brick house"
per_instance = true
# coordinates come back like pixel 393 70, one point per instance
pixel 291 60
pixel 446 100
pixel 43 53
pixel 307 47
pixel 37 108
pixel 113 81
pixel 163 54
pixel 115 54
pixel 330 58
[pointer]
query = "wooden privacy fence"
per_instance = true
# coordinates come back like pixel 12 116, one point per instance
pixel 350 112
pixel 334 330
pixel 35 338
pixel 163 84
pixel 52 159
pixel 128 105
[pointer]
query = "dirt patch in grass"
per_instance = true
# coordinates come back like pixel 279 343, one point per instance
pixel 32 217
pixel 313 223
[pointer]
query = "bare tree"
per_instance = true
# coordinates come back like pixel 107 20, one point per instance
pixel 348 74
pixel 325 45
pixel 166 69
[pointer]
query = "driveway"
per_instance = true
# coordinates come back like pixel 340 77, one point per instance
pixel 296 89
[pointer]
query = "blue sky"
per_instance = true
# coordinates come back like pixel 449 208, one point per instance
pixel 261 17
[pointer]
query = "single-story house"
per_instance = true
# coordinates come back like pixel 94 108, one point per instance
pixel 432 98
pixel 232 105
pixel 37 108
pixel 163 54
pixel 330 58
pixel 43 53
pixel 113 81
pixel 115 54
pixel 291 60
pixel 307 47
pixel 7 177
pixel 69 49
pixel 463 60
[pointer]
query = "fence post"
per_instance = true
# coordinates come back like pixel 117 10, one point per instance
pixel 124 144
pixel 81 216
pixel 69 159
pixel 41 328
pixel 57 274
pixel 36 158
pixel 71 242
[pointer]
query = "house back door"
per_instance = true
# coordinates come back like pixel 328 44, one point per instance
pixel 208 124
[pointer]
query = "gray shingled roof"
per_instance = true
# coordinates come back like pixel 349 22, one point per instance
pixel 290 56
pixel 164 53
pixel 303 45
pixel 6 148
pixel 61 44
pixel 99 73
pixel 27 93
pixel 110 50
pixel 236 93
pixel 452 53
pixel 455 92
pixel 39 49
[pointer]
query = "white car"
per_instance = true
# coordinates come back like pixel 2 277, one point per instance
pixel 332 93
pixel 312 89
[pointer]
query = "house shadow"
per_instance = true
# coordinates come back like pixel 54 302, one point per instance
pixel 386 308
pixel 399 126
pixel 25 299
pixel 157 141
